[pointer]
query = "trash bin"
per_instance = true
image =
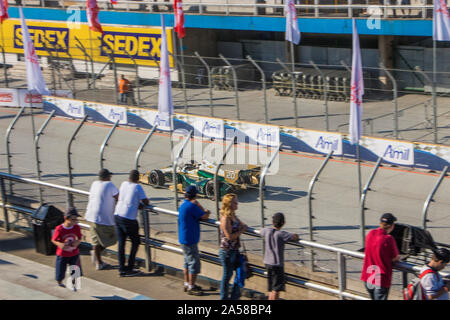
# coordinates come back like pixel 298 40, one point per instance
pixel 45 219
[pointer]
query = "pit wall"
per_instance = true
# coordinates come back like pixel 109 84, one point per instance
pixel 394 152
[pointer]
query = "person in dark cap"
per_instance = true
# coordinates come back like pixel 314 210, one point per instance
pixel 380 253
pixel 189 216
pixel 103 196
pixel 131 197
pixel 67 238
pixel 275 239
pixel 434 285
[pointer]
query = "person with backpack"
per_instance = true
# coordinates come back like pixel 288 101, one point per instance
pixel 274 239
pixel 433 285
pixel 380 253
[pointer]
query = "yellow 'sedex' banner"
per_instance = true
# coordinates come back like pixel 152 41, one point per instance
pixel 142 44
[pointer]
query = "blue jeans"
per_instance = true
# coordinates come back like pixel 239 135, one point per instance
pixel 191 258
pixel 124 97
pixel 127 228
pixel 61 266
pixel 230 261
pixel 377 293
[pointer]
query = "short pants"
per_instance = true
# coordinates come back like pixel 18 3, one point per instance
pixel 275 278
pixel 103 235
pixel 191 258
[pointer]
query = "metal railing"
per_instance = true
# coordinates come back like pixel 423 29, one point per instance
pixel 341 254
pixel 316 9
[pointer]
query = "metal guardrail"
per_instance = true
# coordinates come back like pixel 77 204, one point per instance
pixel 341 254
pixel 315 9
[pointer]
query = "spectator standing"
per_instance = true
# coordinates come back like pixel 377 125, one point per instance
pixel 67 238
pixel 231 229
pixel 434 286
pixel 103 196
pixel 380 253
pixel 124 88
pixel 131 194
pixel 274 239
pixel 189 216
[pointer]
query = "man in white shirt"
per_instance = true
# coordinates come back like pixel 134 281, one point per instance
pixel 131 195
pixel 435 288
pixel 103 196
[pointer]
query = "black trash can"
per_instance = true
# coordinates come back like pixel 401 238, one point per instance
pixel 45 219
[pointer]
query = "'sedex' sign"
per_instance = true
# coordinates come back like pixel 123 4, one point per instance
pixel 50 37
pixel 137 45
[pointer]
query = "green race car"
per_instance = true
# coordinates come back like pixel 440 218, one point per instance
pixel 201 175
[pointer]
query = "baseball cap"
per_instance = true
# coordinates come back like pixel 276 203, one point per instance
pixel 388 218
pixel 191 191
pixel 278 219
pixel 104 173
pixel 71 211
pixel 442 254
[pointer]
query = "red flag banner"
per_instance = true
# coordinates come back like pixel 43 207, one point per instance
pixel 179 19
pixel 113 1
pixel 3 10
pixel 92 16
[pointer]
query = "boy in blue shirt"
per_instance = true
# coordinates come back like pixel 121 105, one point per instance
pixel 189 216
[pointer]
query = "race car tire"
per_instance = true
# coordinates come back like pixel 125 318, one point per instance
pixel 210 189
pixel 156 178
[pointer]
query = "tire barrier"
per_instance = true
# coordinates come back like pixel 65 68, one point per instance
pixel 222 76
pixel 310 85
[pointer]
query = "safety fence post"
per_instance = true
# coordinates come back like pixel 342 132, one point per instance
pixel 263 81
pixel 141 148
pixel 5 201
pixel 430 197
pixel 105 142
pixel 148 254
pixel 208 70
pixel 395 92
pixel 434 98
pixel 262 186
pixel 216 179
pixel 36 152
pixel 183 81
pixel 294 90
pixel 238 115
pixel 342 271
pixel 175 164
pixel 69 160
pixel 8 153
pixel 310 198
pixel 363 201
pixel 325 93
pixel 5 70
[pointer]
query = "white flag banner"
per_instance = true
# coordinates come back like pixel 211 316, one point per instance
pixel 165 104
pixel 357 90
pixel 441 21
pixel 292 30
pixel 35 80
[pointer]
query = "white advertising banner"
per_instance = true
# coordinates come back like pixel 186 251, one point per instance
pixel 210 127
pixel 111 113
pixel 26 99
pixel 9 97
pixel 153 118
pixel 322 142
pixel 264 134
pixel 73 108
pixel 398 152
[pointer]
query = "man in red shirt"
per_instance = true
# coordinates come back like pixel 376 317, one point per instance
pixel 380 253
pixel 67 238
